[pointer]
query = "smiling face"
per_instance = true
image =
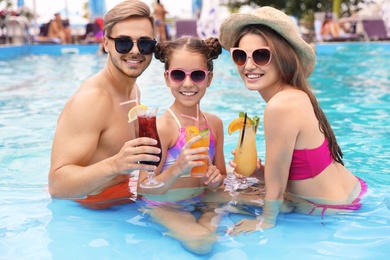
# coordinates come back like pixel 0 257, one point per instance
pixel 133 63
pixel 255 77
pixel 187 92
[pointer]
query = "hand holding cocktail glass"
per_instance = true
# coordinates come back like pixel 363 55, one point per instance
pixel 148 128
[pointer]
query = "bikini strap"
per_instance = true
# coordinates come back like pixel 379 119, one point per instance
pixel 178 122
pixel 174 117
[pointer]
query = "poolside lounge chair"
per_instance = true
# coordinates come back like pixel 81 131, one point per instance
pixel 186 27
pixel 91 29
pixel 42 37
pixel 344 38
pixel 318 20
pixel 375 30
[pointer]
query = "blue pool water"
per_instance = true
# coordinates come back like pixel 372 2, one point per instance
pixel 352 83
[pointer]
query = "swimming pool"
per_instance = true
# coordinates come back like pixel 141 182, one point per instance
pixel 352 83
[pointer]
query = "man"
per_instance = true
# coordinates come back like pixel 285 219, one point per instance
pixel 58 30
pixel 95 149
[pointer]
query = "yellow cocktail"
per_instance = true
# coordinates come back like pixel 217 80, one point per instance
pixel 245 156
pixel 246 152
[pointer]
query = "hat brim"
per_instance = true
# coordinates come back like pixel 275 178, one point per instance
pixel 279 22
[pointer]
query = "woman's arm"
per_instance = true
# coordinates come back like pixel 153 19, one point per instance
pixel 281 128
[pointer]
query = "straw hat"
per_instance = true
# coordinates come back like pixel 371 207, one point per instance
pixel 276 20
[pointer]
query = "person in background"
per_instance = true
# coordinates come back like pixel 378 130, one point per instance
pixel 330 28
pixel 58 30
pixel 159 21
pixel 349 24
pixel 96 34
pixel 303 164
pixel 95 149
pixel 99 34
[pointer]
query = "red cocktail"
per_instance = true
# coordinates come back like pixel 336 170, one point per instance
pixel 148 128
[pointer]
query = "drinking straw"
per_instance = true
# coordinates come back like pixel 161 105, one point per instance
pixel 128 102
pixel 243 129
pixel 195 118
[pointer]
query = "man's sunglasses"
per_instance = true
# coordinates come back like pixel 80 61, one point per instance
pixel 124 45
pixel 197 76
pixel 261 57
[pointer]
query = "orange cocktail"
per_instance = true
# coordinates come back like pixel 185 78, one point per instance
pixel 199 171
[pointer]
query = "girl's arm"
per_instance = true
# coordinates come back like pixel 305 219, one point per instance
pixel 219 158
pixel 217 175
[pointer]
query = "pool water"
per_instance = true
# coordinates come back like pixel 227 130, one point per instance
pixel 352 83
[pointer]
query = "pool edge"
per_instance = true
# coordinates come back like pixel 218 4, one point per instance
pixel 15 51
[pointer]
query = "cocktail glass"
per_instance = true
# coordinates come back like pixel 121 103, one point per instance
pixel 245 157
pixel 148 128
pixel 200 171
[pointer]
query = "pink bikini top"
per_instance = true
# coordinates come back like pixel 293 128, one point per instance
pixel 308 163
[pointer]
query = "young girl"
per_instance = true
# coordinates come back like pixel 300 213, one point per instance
pixel 188 73
pixel 303 163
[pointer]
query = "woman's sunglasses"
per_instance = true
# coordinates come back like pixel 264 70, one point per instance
pixel 197 76
pixel 124 45
pixel 261 56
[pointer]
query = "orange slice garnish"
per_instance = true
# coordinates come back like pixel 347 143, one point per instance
pixel 132 115
pixel 192 130
pixel 237 124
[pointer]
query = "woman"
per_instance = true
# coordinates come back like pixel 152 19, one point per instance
pixel 58 30
pixel 159 21
pixel 303 164
pixel 330 29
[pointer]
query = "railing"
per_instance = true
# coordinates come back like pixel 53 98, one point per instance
pixel 17 30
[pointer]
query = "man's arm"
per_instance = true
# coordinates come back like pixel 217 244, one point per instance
pixel 94 144
pixel 74 146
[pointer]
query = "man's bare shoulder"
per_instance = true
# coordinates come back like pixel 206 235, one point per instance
pixel 91 92
pixel 90 102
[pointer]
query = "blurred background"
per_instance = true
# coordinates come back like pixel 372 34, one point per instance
pixel 203 22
